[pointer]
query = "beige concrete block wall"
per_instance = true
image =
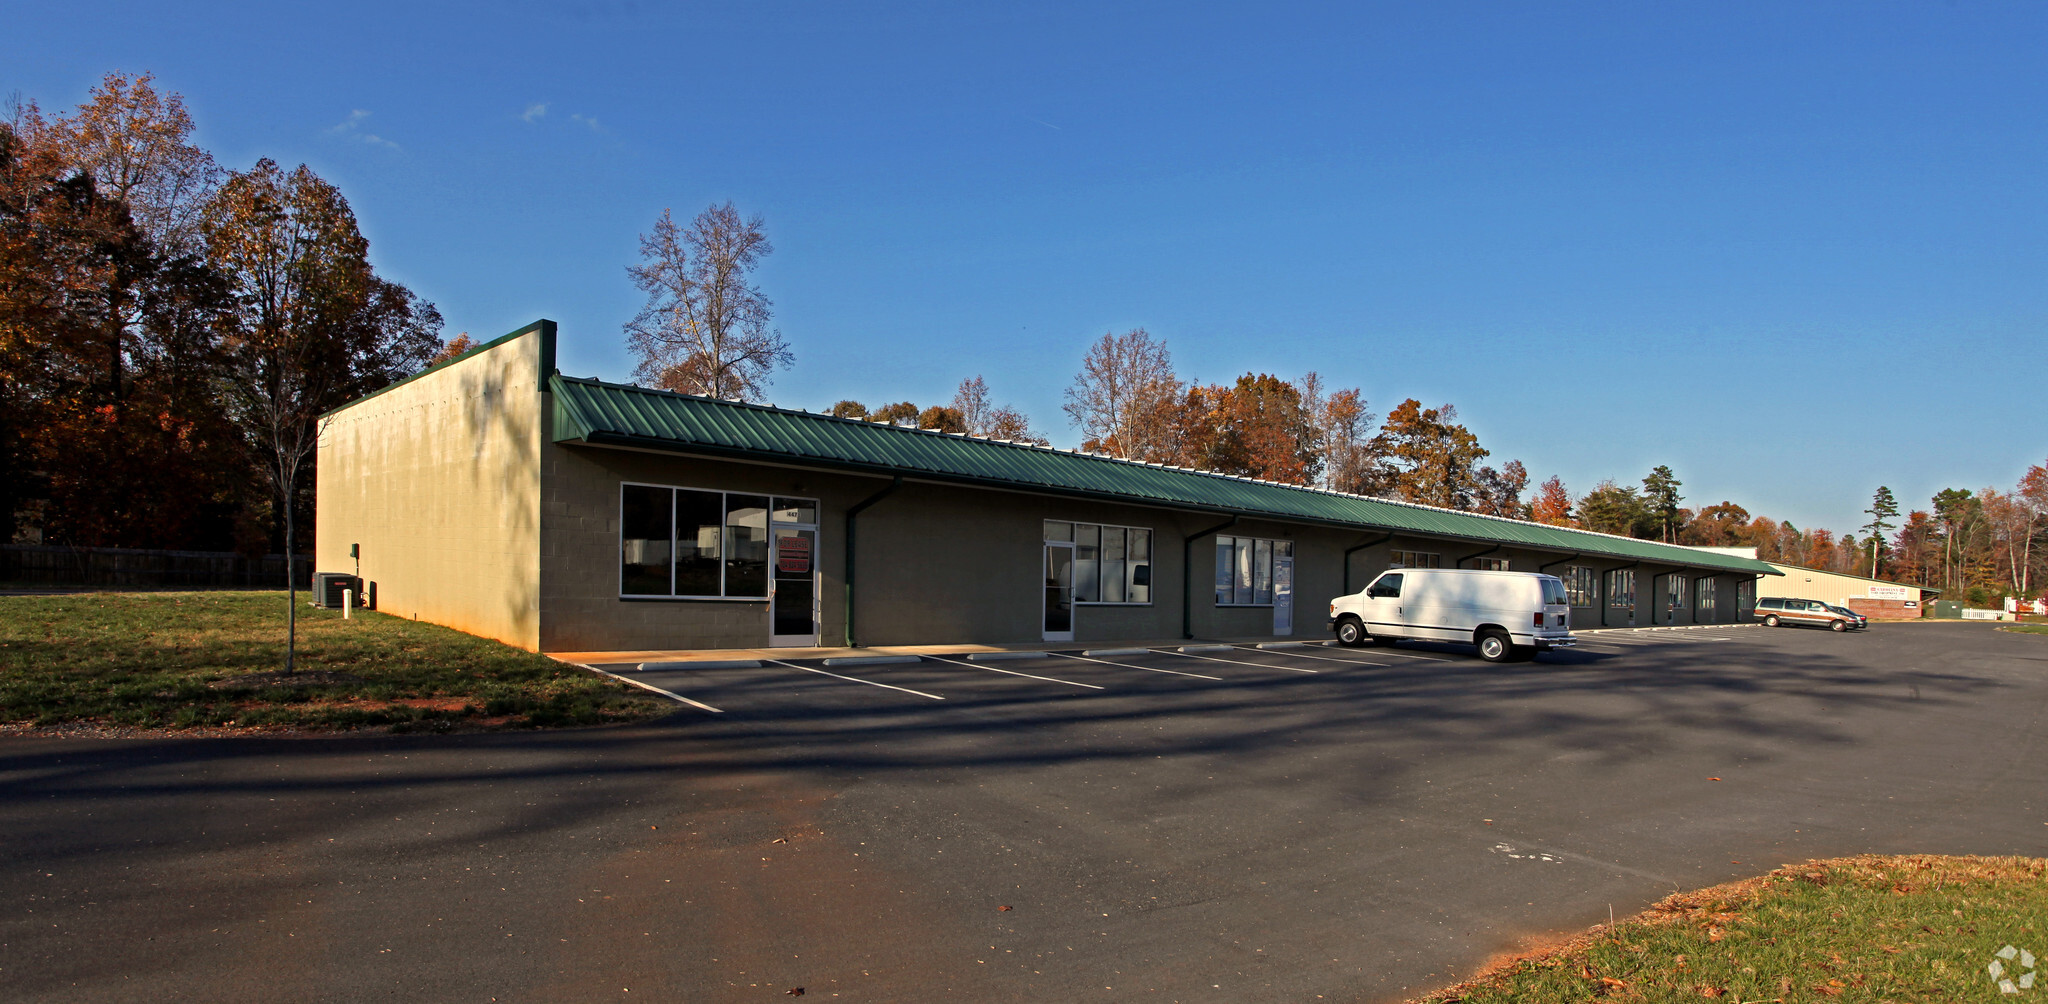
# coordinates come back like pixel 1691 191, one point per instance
pixel 438 480
pixel 579 545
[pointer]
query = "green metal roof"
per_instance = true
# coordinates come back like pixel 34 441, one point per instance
pixel 595 412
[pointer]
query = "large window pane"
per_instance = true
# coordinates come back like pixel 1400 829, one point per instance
pixel 1262 572
pixel 1226 564
pixel 643 541
pixel 1139 574
pixel 1087 562
pixel 700 518
pixel 1246 555
pixel 746 556
pixel 1113 564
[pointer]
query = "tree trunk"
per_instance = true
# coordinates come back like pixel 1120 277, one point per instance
pixel 291 591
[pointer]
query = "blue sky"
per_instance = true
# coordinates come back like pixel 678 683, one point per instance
pixel 1792 250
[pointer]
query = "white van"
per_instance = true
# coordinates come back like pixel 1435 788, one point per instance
pixel 1509 615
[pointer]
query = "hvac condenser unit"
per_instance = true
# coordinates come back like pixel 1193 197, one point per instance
pixel 327 587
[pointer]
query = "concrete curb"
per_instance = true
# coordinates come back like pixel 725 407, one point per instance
pixel 657 667
pixel 1103 652
pixel 1000 656
pixel 872 660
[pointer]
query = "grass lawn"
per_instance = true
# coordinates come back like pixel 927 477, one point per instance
pixel 1868 928
pixel 2026 628
pixel 184 660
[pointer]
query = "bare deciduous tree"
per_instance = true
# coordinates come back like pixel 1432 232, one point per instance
pixel 1343 427
pixel 988 420
pixel 1125 395
pixel 705 329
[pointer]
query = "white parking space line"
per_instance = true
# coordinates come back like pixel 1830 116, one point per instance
pixel 853 679
pixel 1148 669
pixel 1325 658
pixel 1012 672
pixel 1234 662
pixel 670 694
pixel 1385 652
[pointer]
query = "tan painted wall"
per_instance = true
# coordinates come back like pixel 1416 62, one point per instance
pixel 438 479
pixel 1829 587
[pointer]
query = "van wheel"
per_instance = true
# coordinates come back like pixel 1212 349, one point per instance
pixel 1494 646
pixel 1771 621
pixel 1839 626
pixel 1350 633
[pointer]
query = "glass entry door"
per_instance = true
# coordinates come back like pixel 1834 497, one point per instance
pixel 1283 595
pixel 793 599
pixel 1059 591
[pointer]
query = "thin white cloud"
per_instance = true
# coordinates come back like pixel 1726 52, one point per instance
pixel 586 120
pixel 352 129
pixel 536 111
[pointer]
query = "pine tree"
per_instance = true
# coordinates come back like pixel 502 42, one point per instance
pixel 1883 508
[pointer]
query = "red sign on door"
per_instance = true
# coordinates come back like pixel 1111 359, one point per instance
pixel 793 554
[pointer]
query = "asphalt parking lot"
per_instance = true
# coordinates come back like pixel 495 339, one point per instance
pixel 1349 824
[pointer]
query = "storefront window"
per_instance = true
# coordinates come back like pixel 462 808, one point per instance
pixel 1244 570
pixel 1112 564
pixel 697 544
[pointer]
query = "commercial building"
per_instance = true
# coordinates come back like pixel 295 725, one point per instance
pixel 1876 599
pixel 495 495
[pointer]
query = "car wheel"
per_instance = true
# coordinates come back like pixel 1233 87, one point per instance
pixel 1771 621
pixel 1350 633
pixel 1494 646
pixel 1839 626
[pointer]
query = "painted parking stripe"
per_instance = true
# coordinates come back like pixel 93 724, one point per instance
pixel 670 694
pixel 1390 653
pixel 1148 669
pixel 853 679
pixel 1013 672
pixel 1347 662
pixel 1234 662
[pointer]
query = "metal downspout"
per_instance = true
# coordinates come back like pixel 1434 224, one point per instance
pixel 1561 561
pixel 857 509
pixel 1349 551
pixel 1187 576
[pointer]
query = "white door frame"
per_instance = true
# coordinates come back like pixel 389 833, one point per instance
pixel 1045 600
pixel 1283 596
pixel 792 640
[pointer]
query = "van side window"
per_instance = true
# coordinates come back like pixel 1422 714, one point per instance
pixel 1387 586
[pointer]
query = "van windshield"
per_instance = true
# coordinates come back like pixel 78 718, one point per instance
pixel 1554 594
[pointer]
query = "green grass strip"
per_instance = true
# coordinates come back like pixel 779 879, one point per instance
pixel 184 660
pixel 1870 928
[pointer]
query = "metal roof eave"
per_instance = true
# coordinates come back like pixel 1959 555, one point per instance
pixel 657 444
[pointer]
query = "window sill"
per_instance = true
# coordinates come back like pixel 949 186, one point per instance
pixel 692 599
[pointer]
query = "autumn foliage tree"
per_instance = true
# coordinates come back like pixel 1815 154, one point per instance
pixel 1552 504
pixel 124 331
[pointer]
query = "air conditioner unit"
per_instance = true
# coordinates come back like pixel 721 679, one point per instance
pixel 327 587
